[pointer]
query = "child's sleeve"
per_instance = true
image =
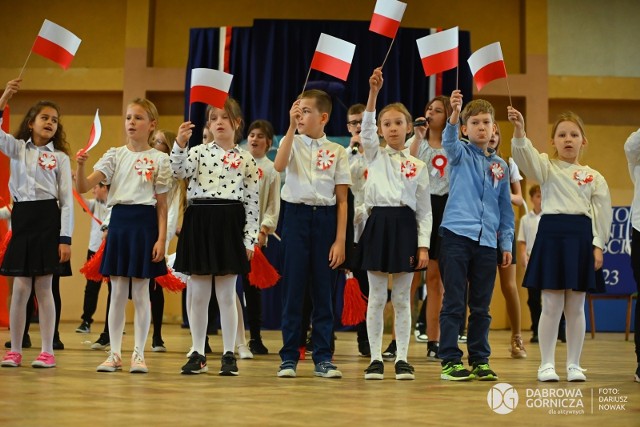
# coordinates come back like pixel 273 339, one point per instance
pixel 65 200
pixel 369 136
pixel 632 151
pixel 424 214
pixel 602 212
pixel 5 213
pixel 521 237
pixel 507 218
pixel 164 179
pixel 107 164
pixel 532 163
pixel 272 209
pixel 8 144
pixel 251 201
pixel 182 162
pixel 342 174
pixel 451 144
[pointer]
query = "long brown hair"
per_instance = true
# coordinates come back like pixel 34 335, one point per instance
pixel 59 138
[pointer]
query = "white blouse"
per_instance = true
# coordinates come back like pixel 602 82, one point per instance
pixel 40 173
pixel 567 188
pixel 269 184
pixel 396 178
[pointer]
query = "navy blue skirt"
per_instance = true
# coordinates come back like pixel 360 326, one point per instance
pixel 35 237
pixel 133 230
pixel 562 256
pixel 211 241
pixel 389 242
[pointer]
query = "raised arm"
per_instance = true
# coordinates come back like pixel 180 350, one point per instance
pixel 534 164
pixel 284 150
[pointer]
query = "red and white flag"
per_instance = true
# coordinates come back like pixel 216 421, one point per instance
pixel 56 43
pixel 439 51
pixel 333 56
pixel 387 16
pixel 210 86
pixel 94 135
pixel 487 64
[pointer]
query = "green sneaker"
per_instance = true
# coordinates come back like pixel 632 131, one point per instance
pixel 482 372
pixel 455 371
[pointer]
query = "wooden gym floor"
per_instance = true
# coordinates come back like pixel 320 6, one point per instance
pixel 74 394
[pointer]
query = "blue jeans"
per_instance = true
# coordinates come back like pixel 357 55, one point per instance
pixel 307 236
pixel 464 262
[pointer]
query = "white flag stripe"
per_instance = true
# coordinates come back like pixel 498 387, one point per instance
pixel 60 36
pixel 484 56
pixel 392 9
pixel 97 126
pixel 212 78
pixel 438 42
pixel 336 47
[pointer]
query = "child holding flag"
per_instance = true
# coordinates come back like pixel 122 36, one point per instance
pixel 42 220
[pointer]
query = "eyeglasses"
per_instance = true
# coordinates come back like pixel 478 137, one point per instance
pixel 354 123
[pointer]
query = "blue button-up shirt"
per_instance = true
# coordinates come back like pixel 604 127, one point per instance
pixel 479 204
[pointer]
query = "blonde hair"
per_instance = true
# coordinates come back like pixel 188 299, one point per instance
pixel 568 116
pixel 396 106
pixel 475 107
pixel 233 110
pixel 151 110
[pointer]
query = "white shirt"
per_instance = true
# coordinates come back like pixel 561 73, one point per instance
pixel 567 188
pixel 632 151
pixel 99 210
pixel 438 165
pixel 135 176
pixel 514 172
pixel 40 173
pixel 315 167
pixel 358 166
pixel 396 178
pixel 173 212
pixel 269 184
pixel 528 229
pixel 214 173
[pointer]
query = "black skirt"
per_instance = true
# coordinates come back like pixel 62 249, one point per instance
pixel 389 242
pixel 211 241
pixel 35 237
pixel 562 256
pixel 133 230
pixel 438 203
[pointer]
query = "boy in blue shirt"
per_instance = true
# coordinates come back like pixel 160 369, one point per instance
pixel 478 217
pixel 313 228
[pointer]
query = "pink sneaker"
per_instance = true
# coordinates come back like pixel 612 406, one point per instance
pixel 137 363
pixel 45 360
pixel 12 360
pixel 112 364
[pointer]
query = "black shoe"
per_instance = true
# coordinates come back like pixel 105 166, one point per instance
pixel 197 364
pixel 229 367
pixel 364 349
pixel 157 345
pixel 404 371
pixel 57 344
pixel 257 346
pixel 432 351
pixel 534 338
pixel 207 347
pixel 375 371
pixel 84 328
pixel 102 343
pixel 390 353
pixel 26 342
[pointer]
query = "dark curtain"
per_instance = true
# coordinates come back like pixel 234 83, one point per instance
pixel 270 62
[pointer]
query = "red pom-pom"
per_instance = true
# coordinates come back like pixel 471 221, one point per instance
pixel 355 303
pixel 262 274
pixel 91 268
pixel 4 245
pixel 170 282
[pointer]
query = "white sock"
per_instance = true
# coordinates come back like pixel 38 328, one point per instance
pixel 241 339
pixel 401 298
pixel 226 295
pixel 199 294
pixel 552 307
pixel 378 282
pixel 18 314
pixel 576 325
pixel 142 319
pixel 46 311
pixel 119 297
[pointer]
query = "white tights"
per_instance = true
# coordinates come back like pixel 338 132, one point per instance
pixel 401 299
pixel 200 293
pixel 46 309
pixel 142 318
pixel 553 304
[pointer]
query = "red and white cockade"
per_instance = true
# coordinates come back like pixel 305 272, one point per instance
pixel 439 162
pixel 325 159
pixel 582 177
pixel 232 159
pixel 144 168
pixel 408 169
pixel 47 161
pixel 498 173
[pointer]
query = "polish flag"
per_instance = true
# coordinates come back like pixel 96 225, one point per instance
pixel 210 86
pixel 487 64
pixel 439 51
pixel 94 135
pixel 333 56
pixel 56 43
pixel 386 17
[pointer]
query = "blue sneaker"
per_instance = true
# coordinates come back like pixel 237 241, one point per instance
pixel 327 369
pixel 288 369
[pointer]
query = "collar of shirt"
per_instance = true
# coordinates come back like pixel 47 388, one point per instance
pixel 216 146
pixel 309 141
pixel 402 153
pixel 480 151
pixel 49 146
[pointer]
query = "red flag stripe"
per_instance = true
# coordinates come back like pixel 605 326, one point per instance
pixel 330 65
pixel 208 95
pixel 492 71
pixel 384 25
pixel 52 51
pixel 440 62
pixel 84 206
